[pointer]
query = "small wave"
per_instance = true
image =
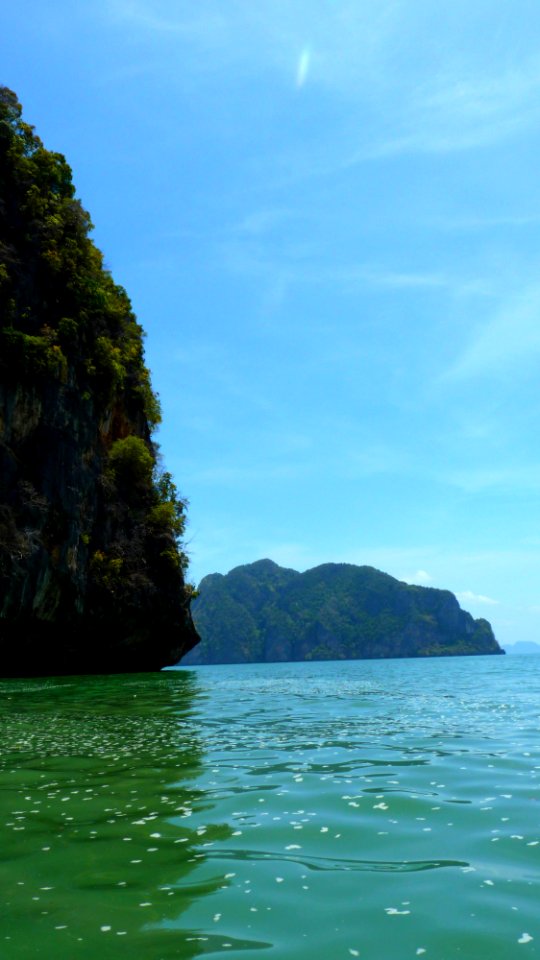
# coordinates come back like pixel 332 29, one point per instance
pixel 333 864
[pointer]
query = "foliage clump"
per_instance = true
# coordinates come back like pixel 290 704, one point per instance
pixel 59 306
pixel 131 463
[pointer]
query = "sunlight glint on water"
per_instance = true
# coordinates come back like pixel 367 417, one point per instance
pixel 383 810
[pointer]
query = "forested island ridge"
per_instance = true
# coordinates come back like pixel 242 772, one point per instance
pixel 261 612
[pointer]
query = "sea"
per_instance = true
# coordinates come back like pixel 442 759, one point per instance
pixel 386 810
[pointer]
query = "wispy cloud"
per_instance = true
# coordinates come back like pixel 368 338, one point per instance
pixel 215 364
pixel 511 337
pixel 474 480
pixel 240 475
pixel 421 578
pixel 261 222
pixel 480 223
pixel 250 249
pixel 398 279
pixel 373 460
pixel 206 24
pixel 361 55
pixel 467 596
pixel 464 112
pixel 272 34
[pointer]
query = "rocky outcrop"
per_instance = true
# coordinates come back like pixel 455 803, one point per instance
pixel 261 612
pixel 92 571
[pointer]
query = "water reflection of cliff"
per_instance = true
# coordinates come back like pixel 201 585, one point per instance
pixel 97 779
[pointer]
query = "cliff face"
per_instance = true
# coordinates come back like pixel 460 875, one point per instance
pixel 261 612
pixel 91 563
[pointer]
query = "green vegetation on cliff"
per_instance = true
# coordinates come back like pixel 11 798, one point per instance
pixel 91 558
pixel 261 612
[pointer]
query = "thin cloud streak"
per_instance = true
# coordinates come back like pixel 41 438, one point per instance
pixel 421 578
pixel 362 50
pixel 241 476
pixel 510 338
pixel 302 264
pixel 467 596
pixel 497 479
pixel 461 113
pixel 302 69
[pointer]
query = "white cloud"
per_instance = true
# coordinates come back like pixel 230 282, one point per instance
pixel 467 596
pixel 420 578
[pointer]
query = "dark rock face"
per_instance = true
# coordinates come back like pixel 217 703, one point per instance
pixel 261 613
pixel 91 565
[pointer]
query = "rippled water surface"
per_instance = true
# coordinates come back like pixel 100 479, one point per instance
pixel 383 810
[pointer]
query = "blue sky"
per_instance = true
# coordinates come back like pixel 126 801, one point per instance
pixel 327 217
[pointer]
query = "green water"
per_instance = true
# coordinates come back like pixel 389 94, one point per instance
pixel 383 810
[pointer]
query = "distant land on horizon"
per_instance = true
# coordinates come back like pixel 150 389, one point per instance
pixel 261 612
pixel 523 647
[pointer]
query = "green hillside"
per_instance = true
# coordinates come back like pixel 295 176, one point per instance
pixel 261 612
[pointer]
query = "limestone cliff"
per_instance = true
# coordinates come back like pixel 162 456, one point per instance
pixel 262 612
pixel 91 562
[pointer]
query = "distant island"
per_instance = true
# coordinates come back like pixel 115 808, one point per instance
pixel 261 612
pixel 523 647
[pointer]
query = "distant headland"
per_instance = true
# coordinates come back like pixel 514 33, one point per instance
pixel 261 612
pixel 523 648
